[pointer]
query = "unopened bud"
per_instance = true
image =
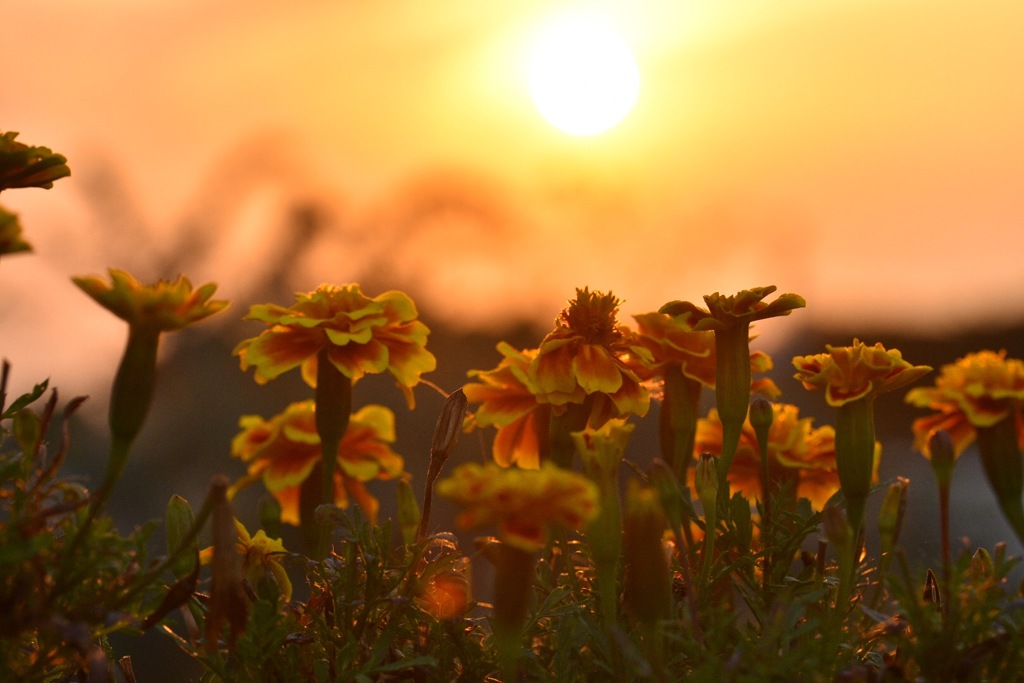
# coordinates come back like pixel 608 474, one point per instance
pixel 943 457
pixel 179 521
pixel 836 529
pixel 890 517
pixel 761 417
pixel 408 511
pixel 706 482
pixel 449 424
pixel 931 589
pixel 982 567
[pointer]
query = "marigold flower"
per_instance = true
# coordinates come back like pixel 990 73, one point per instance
pixel 730 318
pixel 161 307
pixel 509 403
pixel 285 450
pixel 361 336
pixel 522 503
pixel 798 453
pixel 978 390
pixel 23 165
pixel 149 310
pixel 849 373
pixel 738 310
pixel 674 342
pixel 852 376
pixel 260 555
pixel 582 358
pixel 10 234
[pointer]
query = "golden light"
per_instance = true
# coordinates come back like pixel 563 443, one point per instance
pixel 582 76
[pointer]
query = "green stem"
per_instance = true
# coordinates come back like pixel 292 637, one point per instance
pixel 678 419
pixel 855 458
pixel 333 407
pixel 130 399
pixel 560 430
pixel 732 392
pixel 512 582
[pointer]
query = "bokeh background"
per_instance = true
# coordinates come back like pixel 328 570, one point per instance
pixel 868 155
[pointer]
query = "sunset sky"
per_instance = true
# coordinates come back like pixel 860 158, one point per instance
pixel 866 154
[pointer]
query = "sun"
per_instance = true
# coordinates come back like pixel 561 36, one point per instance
pixel 582 76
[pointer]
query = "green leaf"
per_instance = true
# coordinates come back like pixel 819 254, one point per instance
pixel 25 399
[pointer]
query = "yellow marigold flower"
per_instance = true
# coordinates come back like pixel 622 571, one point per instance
pixel 260 555
pixel 361 336
pixel 849 373
pixel 285 450
pixel 522 503
pixel 161 307
pixel 582 358
pixel 978 390
pixel 798 454
pixel 508 403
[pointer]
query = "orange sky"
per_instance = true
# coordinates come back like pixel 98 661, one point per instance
pixel 869 155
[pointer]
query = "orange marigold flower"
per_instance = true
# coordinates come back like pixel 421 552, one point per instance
pixel 849 373
pixel 160 307
pixel 522 503
pixel 260 555
pixel 798 454
pixel 361 335
pixel 509 403
pixel 284 451
pixel 582 358
pixel 675 341
pixel 979 390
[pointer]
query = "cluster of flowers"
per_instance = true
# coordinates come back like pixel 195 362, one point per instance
pixel 547 403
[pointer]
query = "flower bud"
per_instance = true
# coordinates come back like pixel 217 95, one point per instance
pixel 179 520
pixel 761 417
pixel 408 511
pixel 931 590
pixel 706 482
pixel 836 529
pixel 943 457
pixel 890 517
pixel 982 567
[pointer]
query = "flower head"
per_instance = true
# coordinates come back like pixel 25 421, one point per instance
pixel 850 373
pixel 160 307
pixel 675 341
pixel 509 403
pixel 522 503
pixel 798 453
pixel 361 335
pixel 978 390
pixel 22 165
pixel 11 241
pixel 260 555
pixel 285 450
pixel 582 358
pixel 740 309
